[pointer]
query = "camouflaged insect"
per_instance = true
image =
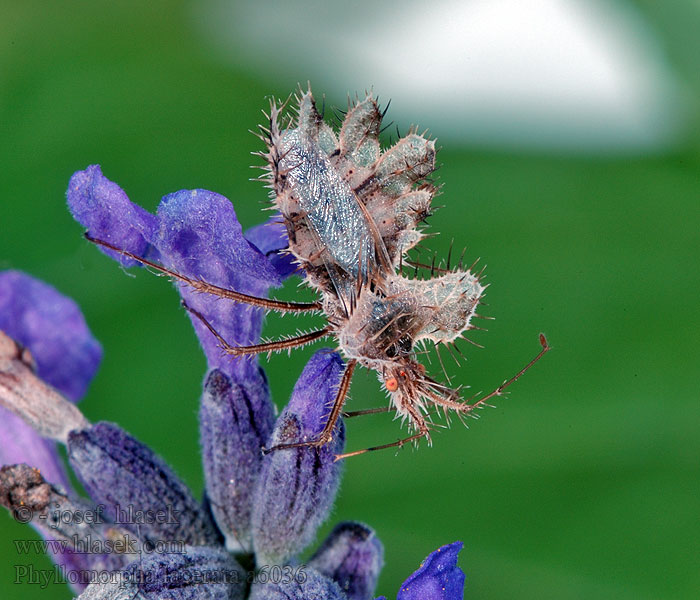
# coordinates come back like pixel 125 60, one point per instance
pixel 352 213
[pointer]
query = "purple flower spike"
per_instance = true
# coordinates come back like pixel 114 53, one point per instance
pixel 438 578
pixel 352 556
pixel 306 584
pixel 66 355
pixel 297 486
pixel 233 431
pixel 128 478
pixel 103 208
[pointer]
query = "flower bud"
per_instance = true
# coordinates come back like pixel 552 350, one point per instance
pixel 234 426
pixel 297 486
pixel 305 584
pixel 352 556
pixel 136 487
pixel 197 573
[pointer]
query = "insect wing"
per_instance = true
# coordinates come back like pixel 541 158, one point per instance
pixel 342 228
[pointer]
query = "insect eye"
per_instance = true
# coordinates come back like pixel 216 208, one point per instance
pixel 392 384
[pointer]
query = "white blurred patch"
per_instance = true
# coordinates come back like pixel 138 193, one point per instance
pixel 551 74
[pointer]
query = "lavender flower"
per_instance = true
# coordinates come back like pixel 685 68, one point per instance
pixel 260 511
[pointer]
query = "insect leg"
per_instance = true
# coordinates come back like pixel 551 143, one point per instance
pixel 419 423
pixel 208 288
pixel 275 346
pixel 327 433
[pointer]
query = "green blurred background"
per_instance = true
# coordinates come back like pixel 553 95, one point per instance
pixel 583 483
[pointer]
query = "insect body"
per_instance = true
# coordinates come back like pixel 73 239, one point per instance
pixel 352 213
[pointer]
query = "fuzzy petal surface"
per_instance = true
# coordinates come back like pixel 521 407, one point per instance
pixel 352 556
pixel 234 426
pixel 195 233
pixel 438 577
pixel 307 585
pixel 297 486
pixel 196 573
pixel 129 479
pixel 105 210
pixel 66 354
pixel 52 326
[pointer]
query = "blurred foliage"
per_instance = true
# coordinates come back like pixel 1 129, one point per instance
pixel 583 483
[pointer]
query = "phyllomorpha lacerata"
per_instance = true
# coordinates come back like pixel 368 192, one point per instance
pixel 352 213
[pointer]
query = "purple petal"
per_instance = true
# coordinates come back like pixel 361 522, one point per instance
pixel 126 477
pixel 19 443
pixel 66 354
pixel 271 239
pixel 235 422
pixel 51 325
pixel 195 233
pixel 300 584
pixel 199 236
pixel 438 577
pixel 297 486
pixel 352 556
pixel 103 208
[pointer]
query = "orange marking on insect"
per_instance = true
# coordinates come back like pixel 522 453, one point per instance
pixel 392 384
